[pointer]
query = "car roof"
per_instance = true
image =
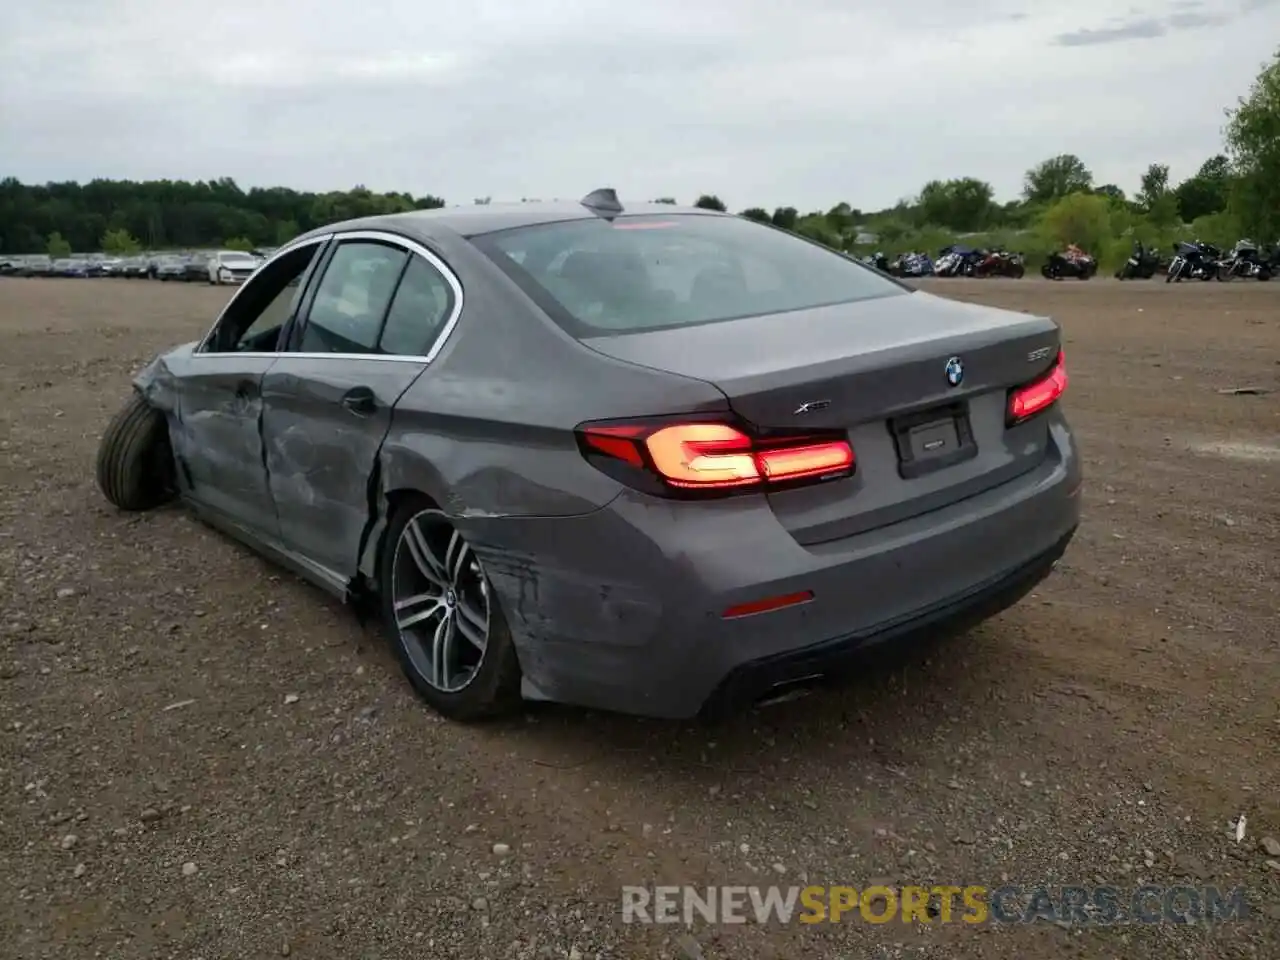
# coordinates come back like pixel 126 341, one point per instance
pixel 485 218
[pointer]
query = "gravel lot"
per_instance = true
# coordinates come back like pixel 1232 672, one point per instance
pixel 204 758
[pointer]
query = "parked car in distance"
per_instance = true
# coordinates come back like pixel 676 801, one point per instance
pixel 40 265
pixel 658 460
pixel 196 268
pixel 132 267
pixel 231 266
pixel 78 269
pixel 171 268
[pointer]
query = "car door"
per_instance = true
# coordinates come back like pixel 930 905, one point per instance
pixel 367 333
pixel 218 445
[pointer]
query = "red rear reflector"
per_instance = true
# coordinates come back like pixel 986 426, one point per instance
pixel 764 606
pixel 1027 401
pixel 617 442
pixel 712 456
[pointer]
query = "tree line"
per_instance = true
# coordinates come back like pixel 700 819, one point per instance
pixel 1234 193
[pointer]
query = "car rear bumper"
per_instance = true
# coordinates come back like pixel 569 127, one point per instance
pixel 759 679
pixel 623 609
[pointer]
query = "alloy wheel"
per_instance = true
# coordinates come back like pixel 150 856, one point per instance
pixel 440 601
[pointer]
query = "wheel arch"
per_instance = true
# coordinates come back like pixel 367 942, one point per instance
pixel 394 480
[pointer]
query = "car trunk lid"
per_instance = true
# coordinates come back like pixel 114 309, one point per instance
pixel 919 383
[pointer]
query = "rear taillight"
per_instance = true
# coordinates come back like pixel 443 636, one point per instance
pixel 1027 401
pixel 692 456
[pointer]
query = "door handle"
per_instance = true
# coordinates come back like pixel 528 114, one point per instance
pixel 360 401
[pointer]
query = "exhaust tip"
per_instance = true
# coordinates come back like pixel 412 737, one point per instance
pixel 789 690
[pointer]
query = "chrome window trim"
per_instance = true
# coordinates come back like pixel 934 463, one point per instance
pixel 410 246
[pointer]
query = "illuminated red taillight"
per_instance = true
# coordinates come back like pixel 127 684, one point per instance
pixel 1040 394
pixel 710 456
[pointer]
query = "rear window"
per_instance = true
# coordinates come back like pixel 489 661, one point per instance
pixel 649 272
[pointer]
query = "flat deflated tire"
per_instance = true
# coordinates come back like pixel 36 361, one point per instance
pixel 135 465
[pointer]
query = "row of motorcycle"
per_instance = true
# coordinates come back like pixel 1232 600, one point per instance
pixel 953 261
pixel 1197 260
pixel 1191 260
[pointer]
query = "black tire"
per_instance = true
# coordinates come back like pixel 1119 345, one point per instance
pixel 494 690
pixel 135 461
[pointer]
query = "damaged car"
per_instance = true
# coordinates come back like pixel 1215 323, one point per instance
pixel 649 459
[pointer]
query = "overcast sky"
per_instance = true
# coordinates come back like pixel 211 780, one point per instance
pixel 765 102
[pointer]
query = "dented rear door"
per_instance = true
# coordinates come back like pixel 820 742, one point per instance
pixel 323 422
pixel 365 336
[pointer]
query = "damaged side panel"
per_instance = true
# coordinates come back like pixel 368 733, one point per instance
pixel 213 404
pixel 323 424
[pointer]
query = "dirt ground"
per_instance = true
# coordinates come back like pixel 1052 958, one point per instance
pixel 204 758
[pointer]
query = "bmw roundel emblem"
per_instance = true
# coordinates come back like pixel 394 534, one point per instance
pixel 955 371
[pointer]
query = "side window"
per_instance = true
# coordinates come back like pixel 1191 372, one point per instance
pixel 422 303
pixel 253 320
pixel 352 298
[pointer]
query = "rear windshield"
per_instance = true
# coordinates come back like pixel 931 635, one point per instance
pixel 649 272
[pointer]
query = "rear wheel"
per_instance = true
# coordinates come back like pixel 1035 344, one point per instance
pixel 135 461
pixel 442 617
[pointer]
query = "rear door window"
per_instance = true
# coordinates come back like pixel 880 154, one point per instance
pixel 423 302
pixel 352 298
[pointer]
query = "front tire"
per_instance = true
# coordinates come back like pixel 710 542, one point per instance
pixel 443 618
pixel 135 462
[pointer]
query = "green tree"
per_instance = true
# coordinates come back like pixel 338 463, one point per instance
pixel 1056 178
pixel 1253 143
pixel 1221 228
pixel 1081 218
pixel 786 217
pixel 57 246
pixel 815 227
pixel 1111 191
pixel 1154 197
pixel 286 230
pixel 759 214
pixel 709 201
pixel 1207 191
pixel 178 213
pixel 238 243
pixel 964 205
pixel 1154 185
pixel 842 218
pixel 120 242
